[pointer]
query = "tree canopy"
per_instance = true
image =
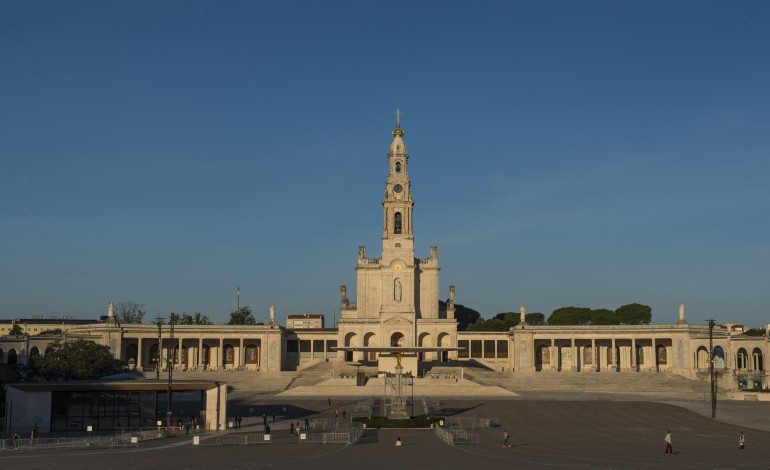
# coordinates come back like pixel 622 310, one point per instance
pixel 242 316
pixel 631 314
pixel 78 359
pixel 464 315
pixel 186 319
pixel 129 312
pixel 15 330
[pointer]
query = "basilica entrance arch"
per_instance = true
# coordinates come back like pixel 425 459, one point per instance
pixel 370 340
pixel 350 340
pixel 397 339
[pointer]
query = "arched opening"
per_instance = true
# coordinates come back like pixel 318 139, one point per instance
pixel 397 339
pixel 758 362
pixel 350 341
pixel 719 357
pixel 34 354
pixel 742 363
pixel 542 357
pixel 154 357
pixel 13 358
pixel 228 356
pixel 132 351
pixel 588 356
pixel 661 356
pixel 397 223
pixel 206 356
pixel 370 340
pixel 252 354
pixel 702 358
pixel 423 341
pixel 398 167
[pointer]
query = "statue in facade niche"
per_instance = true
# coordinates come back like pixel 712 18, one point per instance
pixel 272 313
pixel 344 296
pixel 397 291
pixel 361 252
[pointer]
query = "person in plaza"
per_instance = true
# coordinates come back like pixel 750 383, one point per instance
pixel 506 436
pixel 264 419
pixel 240 418
pixel 741 441
pixel 343 413
pixel 291 429
pixel 336 412
pixel 307 423
pixel 398 441
pixel 16 439
pixel 32 436
pixel 267 429
pixel 296 428
pixel 667 440
pixel 330 402
pixel 274 417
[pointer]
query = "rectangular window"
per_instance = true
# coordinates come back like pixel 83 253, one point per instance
pixel 332 343
pixel 489 348
pixel 318 348
pixel 502 349
pixel 304 348
pixel 476 348
pixel 292 346
pixel 463 352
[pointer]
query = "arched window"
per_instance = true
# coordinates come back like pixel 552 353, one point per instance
pixel 398 167
pixel 397 223
pixel 719 357
pixel 131 352
pixel 742 359
pixel 154 358
pixel 703 358
pixel 397 339
pixel 757 358
pixel 34 354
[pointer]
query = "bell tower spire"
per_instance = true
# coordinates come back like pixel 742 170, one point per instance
pixel 397 234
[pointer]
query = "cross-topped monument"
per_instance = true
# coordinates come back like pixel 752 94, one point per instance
pixel 398 114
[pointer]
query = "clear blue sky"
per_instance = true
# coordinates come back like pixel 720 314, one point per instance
pixel 562 153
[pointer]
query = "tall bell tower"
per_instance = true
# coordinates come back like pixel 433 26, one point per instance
pixel 397 234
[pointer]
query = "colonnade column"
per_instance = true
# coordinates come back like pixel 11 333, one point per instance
pixel 614 355
pixel 575 357
pixel 594 355
pixel 633 353
pixel 241 355
pixel 553 355
pixel 179 354
pixel 139 365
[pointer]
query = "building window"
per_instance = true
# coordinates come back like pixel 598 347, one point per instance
pixel 502 349
pixel 476 348
pixel 463 345
pixel 397 223
pixel 489 348
pixel 398 167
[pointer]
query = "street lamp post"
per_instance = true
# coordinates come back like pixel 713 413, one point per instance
pixel 170 365
pixel 711 370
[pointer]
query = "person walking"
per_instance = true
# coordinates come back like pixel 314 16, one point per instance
pixel 667 440
pixel 741 441
pixel 16 439
pixel 291 429
pixel 264 419
pixel 506 436
pixel 267 429
pixel 240 418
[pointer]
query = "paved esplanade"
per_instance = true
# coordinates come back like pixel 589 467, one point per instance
pixel 544 434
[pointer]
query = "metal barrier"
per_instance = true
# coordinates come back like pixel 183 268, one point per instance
pixel 456 436
pixel 66 442
pixel 469 422
pixel 241 440
pixel 347 437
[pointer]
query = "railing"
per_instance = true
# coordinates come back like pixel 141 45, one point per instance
pixel 456 436
pixel 67 442
pixel 469 422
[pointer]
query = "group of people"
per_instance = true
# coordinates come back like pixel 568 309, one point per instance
pixel 32 437
pixel 670 447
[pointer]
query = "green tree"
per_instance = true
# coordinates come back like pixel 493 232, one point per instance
pixel 16 330
pixel 242 316
pixel 465 316
pixel 634 314
pixel 570 316
pixel 493 324
pixel 535 318
pixel 51 332
pixel 78 359
pixel 603 316
pixel 754 332
pixel 129 312
pixel 187 319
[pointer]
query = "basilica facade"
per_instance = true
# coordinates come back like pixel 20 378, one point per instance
pixel 397 304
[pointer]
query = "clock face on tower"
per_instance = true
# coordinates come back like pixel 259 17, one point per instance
pixel 397 188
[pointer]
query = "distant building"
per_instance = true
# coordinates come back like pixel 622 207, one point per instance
pixel 305 320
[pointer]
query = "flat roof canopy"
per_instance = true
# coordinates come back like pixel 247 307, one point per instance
pixel 397 349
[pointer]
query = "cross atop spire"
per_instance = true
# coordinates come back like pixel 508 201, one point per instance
pixel 398 114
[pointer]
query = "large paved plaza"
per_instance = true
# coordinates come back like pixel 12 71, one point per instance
pixel 544 434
